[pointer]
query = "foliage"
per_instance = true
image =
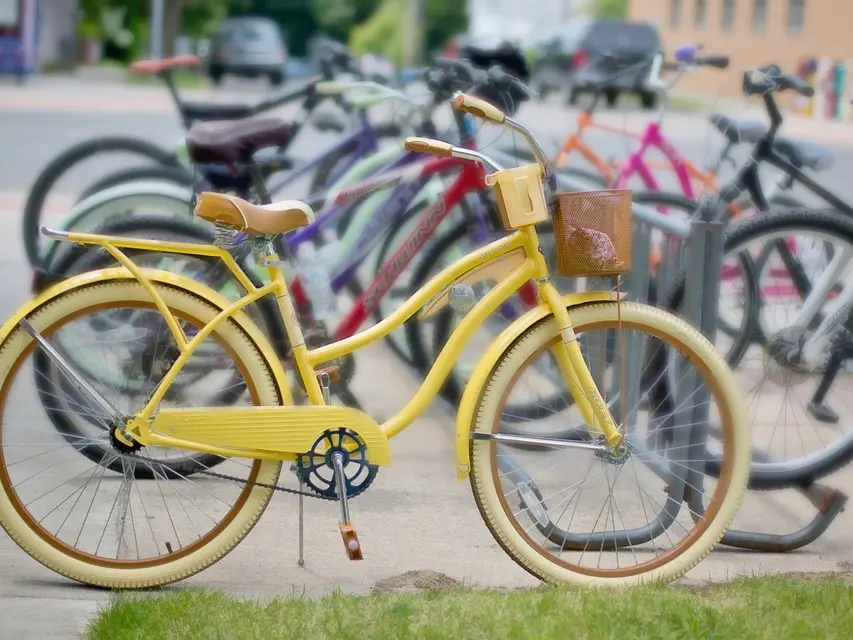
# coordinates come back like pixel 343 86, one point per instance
pixel 198 17
pixel 382 32
pixel 611 8
pixel 339 17
pixel 444 19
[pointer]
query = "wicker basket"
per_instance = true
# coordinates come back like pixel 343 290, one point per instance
pixel 592 230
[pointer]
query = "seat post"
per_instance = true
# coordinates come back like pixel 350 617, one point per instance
pixel 258 182
pixel 293 329
pixel 724 155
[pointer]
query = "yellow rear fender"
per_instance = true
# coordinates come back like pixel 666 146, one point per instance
pixel 172 279
pixel 474 388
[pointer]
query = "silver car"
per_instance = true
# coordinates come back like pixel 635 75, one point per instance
pixel 249 47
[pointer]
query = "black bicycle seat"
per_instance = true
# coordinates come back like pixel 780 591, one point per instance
pixel 804 154
pixel 204 111
pixel 739 130
pixel 235 142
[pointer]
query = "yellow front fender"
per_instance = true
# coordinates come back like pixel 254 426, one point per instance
pixel 474 388
pixel 156 275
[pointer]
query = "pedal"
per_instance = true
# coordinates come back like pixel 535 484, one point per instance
pixel 350 537
pixel 351 544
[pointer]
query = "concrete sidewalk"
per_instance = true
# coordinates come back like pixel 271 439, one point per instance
pixel 417 524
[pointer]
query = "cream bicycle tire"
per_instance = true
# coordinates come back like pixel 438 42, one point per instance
pixel 483 464
pixel 241 518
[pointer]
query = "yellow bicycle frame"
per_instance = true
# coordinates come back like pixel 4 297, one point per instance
pixel 283 432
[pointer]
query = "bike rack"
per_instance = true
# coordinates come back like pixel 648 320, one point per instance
pixel 704 235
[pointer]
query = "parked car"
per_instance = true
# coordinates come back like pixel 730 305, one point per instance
pixel 249 47
pixel 588 53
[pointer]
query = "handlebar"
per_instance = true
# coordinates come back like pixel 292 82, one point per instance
pixel 479 109
pixel 337 56
pixel 489 113
pixel 366 92
pixel 770 79
pixel 685 60
pixel 718 61
pixel 765 82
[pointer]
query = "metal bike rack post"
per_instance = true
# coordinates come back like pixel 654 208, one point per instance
pixel 701 306
pixel 703 264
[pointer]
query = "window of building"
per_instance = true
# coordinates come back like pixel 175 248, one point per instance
pixel 759 15
pixel 728 14
pixel 674 13
pixel 796 15
pixel 701 13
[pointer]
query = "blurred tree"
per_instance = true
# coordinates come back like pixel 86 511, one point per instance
pixel 611 8
pixel 339 17
pixel 199 19
pixel 382 34
pixel 196 18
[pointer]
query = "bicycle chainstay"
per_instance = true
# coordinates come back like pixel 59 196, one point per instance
pixel 266 485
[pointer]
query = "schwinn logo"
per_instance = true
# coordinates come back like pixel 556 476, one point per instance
pixel 394 267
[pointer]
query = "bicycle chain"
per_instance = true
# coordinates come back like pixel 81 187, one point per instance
pixel 223 476
pixel 265 485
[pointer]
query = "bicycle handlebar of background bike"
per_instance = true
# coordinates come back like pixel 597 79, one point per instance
pixel 765 82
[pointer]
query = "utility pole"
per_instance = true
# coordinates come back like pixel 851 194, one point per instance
pixel 157 9
pixel 413 33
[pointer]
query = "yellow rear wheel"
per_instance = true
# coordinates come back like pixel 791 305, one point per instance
pixel 84 520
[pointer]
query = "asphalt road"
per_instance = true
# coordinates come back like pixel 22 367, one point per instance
pixel 410 520
pixel 31 139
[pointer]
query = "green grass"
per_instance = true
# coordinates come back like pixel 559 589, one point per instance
pixel 684 102
pixel 776 608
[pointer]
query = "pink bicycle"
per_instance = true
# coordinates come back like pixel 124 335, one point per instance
pixel 736 130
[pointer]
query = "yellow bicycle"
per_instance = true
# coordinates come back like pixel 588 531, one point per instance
pixel 112 530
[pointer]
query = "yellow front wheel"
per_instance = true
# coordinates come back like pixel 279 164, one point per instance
pixel 94 520
pixel 570 509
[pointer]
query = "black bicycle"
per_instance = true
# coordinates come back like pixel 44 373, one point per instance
pixel 166 165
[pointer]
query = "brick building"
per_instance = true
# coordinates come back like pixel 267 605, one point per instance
pixel 752 32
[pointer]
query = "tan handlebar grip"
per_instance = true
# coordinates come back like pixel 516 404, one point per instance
pixel 479 108
pixel 428 145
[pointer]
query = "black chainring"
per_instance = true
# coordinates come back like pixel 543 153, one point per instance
pixel 316 471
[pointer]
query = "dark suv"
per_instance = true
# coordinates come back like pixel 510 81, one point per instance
pixel 589 53
pixel 249 47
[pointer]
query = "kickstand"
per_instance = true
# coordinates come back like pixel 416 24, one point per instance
pixel 301 560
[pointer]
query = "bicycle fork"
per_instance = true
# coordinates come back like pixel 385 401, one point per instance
pixel 575 372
